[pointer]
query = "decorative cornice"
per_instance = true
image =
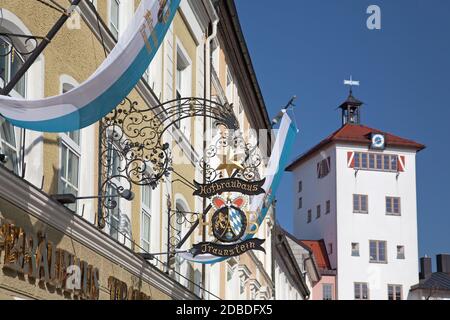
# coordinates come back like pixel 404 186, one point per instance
pixel 25 196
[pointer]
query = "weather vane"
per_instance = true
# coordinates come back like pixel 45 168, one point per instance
pixel 351 83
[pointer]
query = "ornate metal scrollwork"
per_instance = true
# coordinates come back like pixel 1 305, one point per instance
pixel 132 148
pixel 177 220
pixel 22 44
pixel 250 159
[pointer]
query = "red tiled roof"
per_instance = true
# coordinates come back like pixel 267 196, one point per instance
pixel 320 252
pixel 356 134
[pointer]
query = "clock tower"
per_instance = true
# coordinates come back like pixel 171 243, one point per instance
pixel 355 192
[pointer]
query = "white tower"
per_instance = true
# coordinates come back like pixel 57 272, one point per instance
pixel 356 190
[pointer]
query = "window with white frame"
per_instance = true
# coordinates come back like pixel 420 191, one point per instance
pixel 10 62
pixel 361 291
pixel 146 218
pixel 113 165
pixel 70 159
pixel 183 81
pixel 394 292
pixel 8 146
pixel 327 291
pixel 377 251
pixel 114 17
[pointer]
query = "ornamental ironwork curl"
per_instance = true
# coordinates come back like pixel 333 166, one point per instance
pixel 251 160
pixel 132 146
pixel 178 220
pixel 24 45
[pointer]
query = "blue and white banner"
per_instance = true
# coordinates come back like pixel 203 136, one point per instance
pixel 273 173
pixel 108 86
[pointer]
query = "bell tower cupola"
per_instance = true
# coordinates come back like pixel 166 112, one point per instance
pixel 351 107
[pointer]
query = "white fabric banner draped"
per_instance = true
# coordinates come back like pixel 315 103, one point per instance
pixel 108 86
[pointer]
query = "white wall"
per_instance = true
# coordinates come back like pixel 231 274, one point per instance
pixel 342 227
pixel 376 225
pixel 316 192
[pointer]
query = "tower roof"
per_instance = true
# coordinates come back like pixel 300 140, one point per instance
pixel 351 101
pixel 359 135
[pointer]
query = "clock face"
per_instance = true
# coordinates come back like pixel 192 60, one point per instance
pixel 378 141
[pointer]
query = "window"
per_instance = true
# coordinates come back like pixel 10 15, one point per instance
pixel 328 207
pixel 241 285
pixel 146 218
pixel 300 186
pixel 8 145
pixel 229 89
pixel 400 252
pixel 10 62
pixel 113 214
pixel 323 168
pixel 114 16
pixel 355 249
pixel 111 190
pixel 394 292
pixel 183 82
pixel 361 291
pixel 330 248
pixel 393 206
pixel 300 202
pixel 327 291
pixel 318 212
pixel 309 218
pixel 376 161
pixel 70 159
pixel 70 163
pixel 360 203
pixel 377 251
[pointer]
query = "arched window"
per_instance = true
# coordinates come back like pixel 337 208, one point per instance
pixel 11 60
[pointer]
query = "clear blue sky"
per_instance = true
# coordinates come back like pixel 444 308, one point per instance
pixel 307 48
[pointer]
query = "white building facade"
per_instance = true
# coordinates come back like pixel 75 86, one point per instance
pixel 356 190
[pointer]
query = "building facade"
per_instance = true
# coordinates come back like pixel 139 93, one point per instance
pixel 203 55
pixel 356 190
pixel 295 269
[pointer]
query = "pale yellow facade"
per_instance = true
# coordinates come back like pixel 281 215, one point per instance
pixel 75 54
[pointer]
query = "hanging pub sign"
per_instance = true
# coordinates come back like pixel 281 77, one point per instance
pixel 233 224
pixel 229 185
pixel 229 223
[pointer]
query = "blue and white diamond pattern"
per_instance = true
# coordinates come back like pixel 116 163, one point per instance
pixel 235 220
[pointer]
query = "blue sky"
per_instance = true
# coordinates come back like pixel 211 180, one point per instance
pixel 307 48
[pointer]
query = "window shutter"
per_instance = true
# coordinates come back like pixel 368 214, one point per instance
pixel 401 163
pixel 351 159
